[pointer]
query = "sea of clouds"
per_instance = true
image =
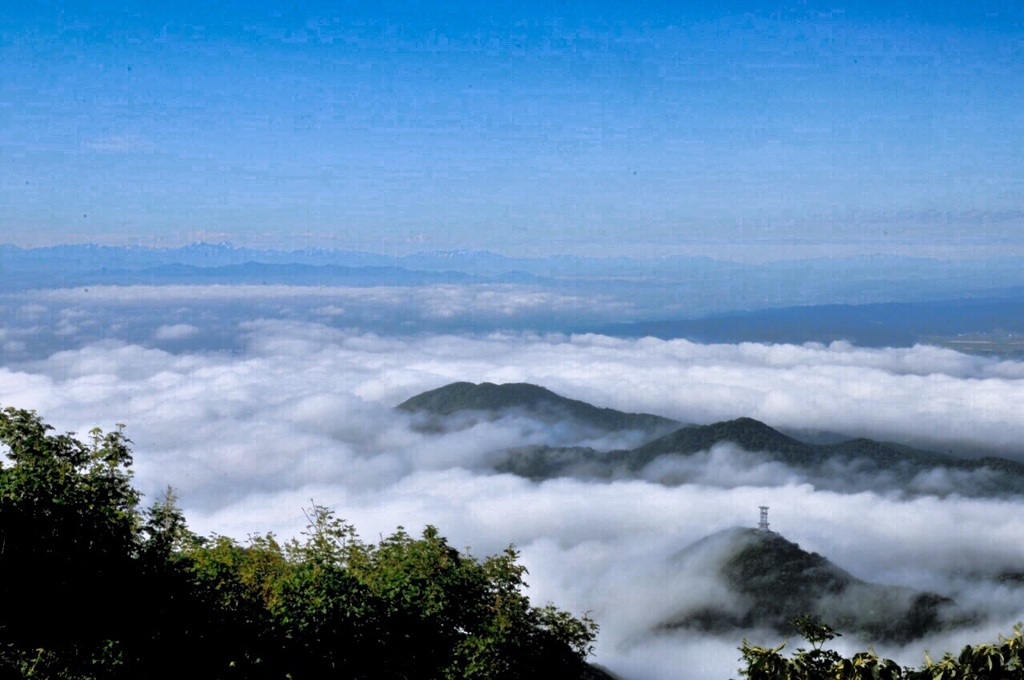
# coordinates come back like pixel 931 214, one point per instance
pixel 293 411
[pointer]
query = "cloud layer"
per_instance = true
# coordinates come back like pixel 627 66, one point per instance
pixel 304 411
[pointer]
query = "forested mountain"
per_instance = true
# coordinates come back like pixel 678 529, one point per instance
pixel 751 447
pixel 771 581
pixel 689 453
pixel 532 400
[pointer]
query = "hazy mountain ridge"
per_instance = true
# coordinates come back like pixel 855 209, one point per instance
pixel 869 324
pixel 724 453
pixel 974 306
pixel 853 279
pixel 258 273
pixel 673 267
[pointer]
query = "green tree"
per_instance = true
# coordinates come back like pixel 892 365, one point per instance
pixel 234 590
pixel 68 524
pixel 463 618
pixel 1001 661
pixel 164 531
pixel 91 588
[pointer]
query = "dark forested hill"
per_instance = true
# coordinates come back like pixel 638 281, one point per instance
pixel 774 580
pixel 686 454
pixel 533 400
pixel 743 446
pixel 747 433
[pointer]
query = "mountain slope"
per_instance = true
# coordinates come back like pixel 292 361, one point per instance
pixel 755 436
pixel 736 450
pixel 727 453
pixel 747 433
pixel 773 580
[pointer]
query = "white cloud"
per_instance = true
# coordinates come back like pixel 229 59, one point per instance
pixel 305 412
pixel 431 301
pixel 178 331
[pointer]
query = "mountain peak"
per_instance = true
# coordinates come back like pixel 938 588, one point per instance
pixel 537 401
pixel 747 433
pixel 776 580
pixel 462 396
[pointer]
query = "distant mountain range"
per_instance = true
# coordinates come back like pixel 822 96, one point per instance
pixel 675 454
pixel 951 322
pixel 868 300
pixel 970 305
pixel 866 272
pixel 773 580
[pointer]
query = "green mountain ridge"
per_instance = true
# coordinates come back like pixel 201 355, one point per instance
pixel 747 433
pixel 755 436
pixel 686 454
pixel 532 399
pixel 853 465
pixel 774 580
pixel 895 465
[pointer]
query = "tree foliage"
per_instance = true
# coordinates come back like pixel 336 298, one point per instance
pixel 93 587
pixel 68 527
pixel 1003 660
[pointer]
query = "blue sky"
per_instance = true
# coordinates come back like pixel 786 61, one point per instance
pixel 526 128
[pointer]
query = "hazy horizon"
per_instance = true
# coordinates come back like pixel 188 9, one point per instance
pixel 739 251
